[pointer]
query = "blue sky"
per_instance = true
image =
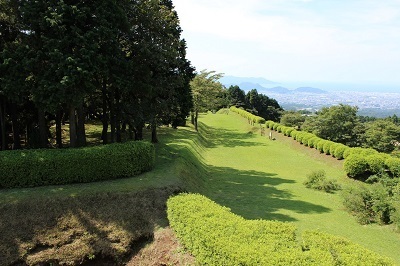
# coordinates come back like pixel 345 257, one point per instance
pixel 304 42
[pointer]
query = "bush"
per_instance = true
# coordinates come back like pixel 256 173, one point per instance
pixel 313 141
pixel 320 145
pixel 393 165
pixel 369 203
pixel 215 236
pixel 356 166
pixel 344 251
pixel 317 180
pixel 339 151
pixel 327 146
pixel 376 162
pixel 30 168
pixel 359 151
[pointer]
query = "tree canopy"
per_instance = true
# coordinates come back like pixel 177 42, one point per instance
pixel 123 62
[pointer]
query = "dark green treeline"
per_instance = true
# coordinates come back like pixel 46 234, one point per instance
pixel 119 61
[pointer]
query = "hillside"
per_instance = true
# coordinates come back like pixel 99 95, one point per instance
pixel 227 161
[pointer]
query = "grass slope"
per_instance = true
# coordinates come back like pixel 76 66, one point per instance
pixel 228 162
pixel 260 178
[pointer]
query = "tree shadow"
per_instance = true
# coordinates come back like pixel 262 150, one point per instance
pixel 248 193
pixel 212 137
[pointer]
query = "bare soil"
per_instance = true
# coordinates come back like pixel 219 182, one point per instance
pixel 164 249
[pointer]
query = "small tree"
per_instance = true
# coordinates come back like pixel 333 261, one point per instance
pixel 206 90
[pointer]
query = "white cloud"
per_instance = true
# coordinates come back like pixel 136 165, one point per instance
pixel 294 39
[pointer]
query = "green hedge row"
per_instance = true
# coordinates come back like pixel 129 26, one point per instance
pixel 249 116
pixel 359 162
pixel 30 168
pixel 216 236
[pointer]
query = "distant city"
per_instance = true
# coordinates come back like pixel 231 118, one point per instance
pixel 376 104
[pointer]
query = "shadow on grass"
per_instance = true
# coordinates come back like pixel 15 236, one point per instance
pixel 251 194
pixel 211 137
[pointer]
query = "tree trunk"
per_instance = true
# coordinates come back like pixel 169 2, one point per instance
pixel 15 127
pixel 43 140
pixel 196 117
pixel 154 138
pixel 118 116
pixel 139 132
pixel 72 127
pixel 112 116
pixel 131 131
pixel 59 116
pixel 104 119
pixel 80 132
pixel 3 138
pixel 192 117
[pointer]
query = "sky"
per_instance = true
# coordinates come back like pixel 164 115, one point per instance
pixel 353 43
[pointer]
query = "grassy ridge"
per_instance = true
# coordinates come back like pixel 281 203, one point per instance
pixel 262 179
pixel 228 162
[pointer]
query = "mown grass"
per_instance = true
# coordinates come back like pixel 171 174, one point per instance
pixel 228 161
pixel 262 179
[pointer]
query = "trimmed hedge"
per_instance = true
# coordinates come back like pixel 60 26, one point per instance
pixel 249 116
pixel 356 165
pixel 216 236
pixel 31 168
pixel 344 251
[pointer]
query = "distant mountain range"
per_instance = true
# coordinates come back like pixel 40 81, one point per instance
pixel 264 85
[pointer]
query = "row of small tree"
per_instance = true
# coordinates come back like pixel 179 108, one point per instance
pixel 342 124
pixel 122 62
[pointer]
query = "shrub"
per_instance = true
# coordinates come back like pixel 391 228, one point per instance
pixel 294 133
pixel 312 141
pixel 344 251
pixel 339 151
pixel 215 236
pixel 359 151
pixel 327 146
pixel 320 145
pixel 306 137
pixel 393 165
pixel 317 180
pixel 356 166
pixel 376 162
pixel 30 168
pixel 369 203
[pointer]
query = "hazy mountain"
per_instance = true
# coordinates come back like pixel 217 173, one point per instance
pixel 232 80
pixel 310 90
pixel 246 86
pixel 279 89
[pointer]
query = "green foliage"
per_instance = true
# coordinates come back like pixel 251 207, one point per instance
pixel 393 165
pixel 356 166
pixel 377 162
pixel 31 168
pixel 249 116
pixel 342 250
pixel 317 180
pixel 339 151
pixel 292 119
pixel 320 145
pixel 215 236
pixel 381 134
pixel 327 147
pixel 369 203
pixel 336 123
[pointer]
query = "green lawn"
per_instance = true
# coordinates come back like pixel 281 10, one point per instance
pixel 228 161
pixel 263 179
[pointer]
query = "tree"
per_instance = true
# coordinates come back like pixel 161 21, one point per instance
pixel 236 96
pixel 382 135
pixel 262 105
pixel 336 123
pixel 292 119
pixel 205 91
